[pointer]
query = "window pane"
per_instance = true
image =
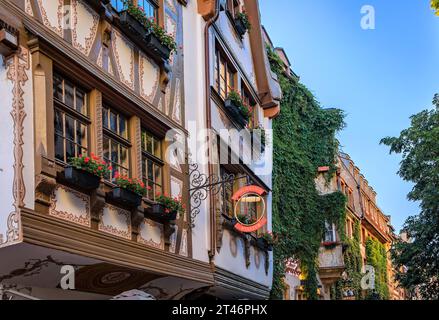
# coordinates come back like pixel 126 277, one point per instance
pixel 57 87
pixel 124 157
pixel 70 128
pixel 59 147
pixel 144 172
pixel 69 94
pixel 148 7
pixel 158 174
pixel 157 149
pixel 143 140
pixel 122 127
pixel 80 102
pixel 216 75
pixel 151 191
pixel 70 150
pixel 114 152
pixel 150 171
pixel 117 4
pixel 148 144
pixel 81 134
pixel 113 122
pixel 105 118
pixel 230 81
pixel 158 190
pixel 59 122
pixel 106 147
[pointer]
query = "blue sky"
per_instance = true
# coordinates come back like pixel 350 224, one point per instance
pixel 379 77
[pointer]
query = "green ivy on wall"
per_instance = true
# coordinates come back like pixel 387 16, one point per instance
pixel 304 139
pixel 353 263
pixel 376 256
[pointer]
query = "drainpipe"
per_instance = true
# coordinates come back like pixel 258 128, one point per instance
pixel 209 23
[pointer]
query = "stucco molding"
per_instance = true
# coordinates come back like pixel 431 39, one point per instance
pixel 90 39
pixel 111 229
pixel 17 67
pixel 69 216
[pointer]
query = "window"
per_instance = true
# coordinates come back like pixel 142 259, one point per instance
pixel 117 4
pixel 233 7
pixel 152 164
pixel 71 121
pixel 150 7
pixel 248 101
pixel 116 145
pixel 224 76
pixel 329 232
pixel 350 198
pixel 227 194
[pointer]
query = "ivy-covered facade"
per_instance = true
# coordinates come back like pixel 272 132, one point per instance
pixel 325 216
pixel 304 140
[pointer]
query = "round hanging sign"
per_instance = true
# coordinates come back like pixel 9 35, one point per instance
pixel 248 199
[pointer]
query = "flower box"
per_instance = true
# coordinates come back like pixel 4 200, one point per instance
pixel 240 27
pixel 143 37
pixel 81 179
pixel 158 211
pixel 234 111
pixel 156 47
pixel 125 198
pixel 330 245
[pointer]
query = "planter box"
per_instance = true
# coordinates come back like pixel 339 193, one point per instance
pixel 143 37
pixel 156 47
pixel 133 28
pixel 240 28
pixel 125 197
pixel 157 211
pixel 81 179
pixel 330 245
pixel 235 113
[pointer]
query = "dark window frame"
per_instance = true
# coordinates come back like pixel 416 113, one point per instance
pixel 156 161
pixel 230 74
pixel 79 117
pixel 122 143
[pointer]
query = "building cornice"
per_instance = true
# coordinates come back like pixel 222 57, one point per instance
pixel 46 231
pixel 245 287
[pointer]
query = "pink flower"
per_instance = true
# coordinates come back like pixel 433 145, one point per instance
pixel 87 160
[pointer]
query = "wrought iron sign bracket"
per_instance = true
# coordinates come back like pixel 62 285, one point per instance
pixel 202 185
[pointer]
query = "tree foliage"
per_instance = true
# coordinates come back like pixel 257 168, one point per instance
pixel 304 139
pixel 419 147
pixel 435 6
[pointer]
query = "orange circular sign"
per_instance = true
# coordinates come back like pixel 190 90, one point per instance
pixel 248 199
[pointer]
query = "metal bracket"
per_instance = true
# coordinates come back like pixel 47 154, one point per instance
pixel 202 185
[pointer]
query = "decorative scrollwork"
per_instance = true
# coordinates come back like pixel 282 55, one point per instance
pixel 202 185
